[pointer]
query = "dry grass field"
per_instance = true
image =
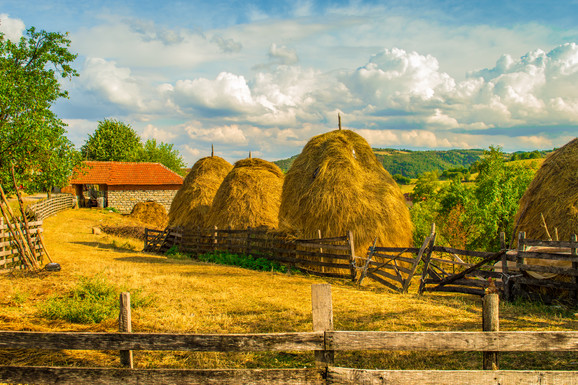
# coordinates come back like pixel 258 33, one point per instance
pixel 182 295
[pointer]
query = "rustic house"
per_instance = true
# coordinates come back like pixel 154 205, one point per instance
pixel 123 184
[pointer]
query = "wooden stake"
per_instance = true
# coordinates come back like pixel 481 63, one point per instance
pixel 322 313
pixel 212 151
pixel 545 227
pixel 125 325
pixel 352 264
pixel 17 232
pixel 24 218
pixel 339 120
pixel 490 323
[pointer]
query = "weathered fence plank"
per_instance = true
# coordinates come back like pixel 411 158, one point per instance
pixel 344 376
pixel 521 341
pixel 305 341
pixel 113 376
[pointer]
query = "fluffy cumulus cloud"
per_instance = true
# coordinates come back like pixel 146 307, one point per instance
pixel 228 93
pixel 114 84
pixel 11 28
pixel 395 78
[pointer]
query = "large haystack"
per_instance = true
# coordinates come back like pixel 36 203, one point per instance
pixel 192 203
pixel 554 194
pixel 249 196
pixel 337 184
pixel 150 213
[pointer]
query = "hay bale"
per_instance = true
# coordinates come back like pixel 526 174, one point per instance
pixel 337 184
pixel 554 194
pixel 192 203
pixel 249 196
pixel 150 213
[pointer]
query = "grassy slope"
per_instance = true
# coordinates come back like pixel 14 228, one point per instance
pixel 194 297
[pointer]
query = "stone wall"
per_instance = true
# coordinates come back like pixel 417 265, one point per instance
pixel 124 200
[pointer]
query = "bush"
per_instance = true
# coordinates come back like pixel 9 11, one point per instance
pixel 245 261
pixel 93 300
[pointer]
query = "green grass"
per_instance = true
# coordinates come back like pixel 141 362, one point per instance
pixel 92 301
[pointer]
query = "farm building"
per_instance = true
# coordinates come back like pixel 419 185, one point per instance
pixel 337 185
pixel 123 184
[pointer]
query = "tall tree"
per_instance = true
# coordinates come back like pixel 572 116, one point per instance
pixel 113 140
pixel 30 70
pixel 163 153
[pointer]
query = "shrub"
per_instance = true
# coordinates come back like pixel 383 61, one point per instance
pixel 93 300
pixel 245 261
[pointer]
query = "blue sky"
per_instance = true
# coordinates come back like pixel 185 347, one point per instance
pixel 266 76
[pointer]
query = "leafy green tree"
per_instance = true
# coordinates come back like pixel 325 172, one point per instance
pixel 425 187
pixel 29 85
pixel 163 153
pixel 400 179
pixel 112 141
pixel 473 216
pixel 498 190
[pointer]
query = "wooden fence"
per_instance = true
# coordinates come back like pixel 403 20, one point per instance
pixel 52 206
pixel 442 268
pixel 323 340
pixel 330 257
pixel 10 257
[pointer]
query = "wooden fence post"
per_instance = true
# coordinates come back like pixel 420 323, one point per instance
pixel 215 239
pixel 323 268
pixel 125 325
pixel 322 312
pixel 574 252
pixel 353 265
pixel 490 323
pixel 3 248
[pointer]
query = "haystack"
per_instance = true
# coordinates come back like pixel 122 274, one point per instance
pixel 554 194
pixel 249 196
pixel 150 213
pixel 192 203
pixel 337 184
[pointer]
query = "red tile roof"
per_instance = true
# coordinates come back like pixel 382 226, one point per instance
pixel 126 173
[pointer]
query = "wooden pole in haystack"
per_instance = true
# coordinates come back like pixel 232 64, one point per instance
pixel 24 218
pixel 212 151
pixel 339 120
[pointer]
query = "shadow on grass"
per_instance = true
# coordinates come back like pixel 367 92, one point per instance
pixel 107 246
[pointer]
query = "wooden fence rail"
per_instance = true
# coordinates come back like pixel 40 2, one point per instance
pixel 324 341
pixel 10 257
pixel 52 206
pixel 329 257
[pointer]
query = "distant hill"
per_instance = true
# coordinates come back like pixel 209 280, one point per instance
pixel 413 163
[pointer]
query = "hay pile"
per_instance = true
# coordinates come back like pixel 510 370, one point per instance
pixel 192 203
pixel 554 194
pixel 337 184
pixel 150 213
pixel 249 196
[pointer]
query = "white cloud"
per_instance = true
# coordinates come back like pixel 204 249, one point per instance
pixel 396 78
pixel 114 83
pixel 282 55
pixel 152 132
pixel 223 134
pixel 227 92
pixel 11 28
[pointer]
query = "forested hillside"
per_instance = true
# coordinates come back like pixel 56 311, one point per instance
pixel 413 163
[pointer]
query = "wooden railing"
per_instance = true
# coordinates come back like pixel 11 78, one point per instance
pixel 10 257
pixel 329 257
pixel 51 206
pixel 322 340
